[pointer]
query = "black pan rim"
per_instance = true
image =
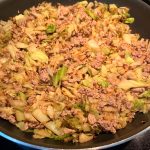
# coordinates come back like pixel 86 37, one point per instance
pixel 17 141
pixel 113 142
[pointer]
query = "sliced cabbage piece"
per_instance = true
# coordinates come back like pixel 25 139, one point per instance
pixel 50 111
pixel 19 17
pixel 139 104
pixel 39 55
pixel 7 110
pixel 87 82
pixel 145 94
pixel 53 127
pixel 19 77
pixel 42 133
pixel 19 115
pixel 127 38
pixel 106 50
pixel 129 59
pixel 12 50
pixel 85 137
pixel 93 45
pixel 29 117
pixel 22 126
pixel 67 93
pixel 71 28
pixel 40 116
pixel 104 71
pixel 21 45
pixel 128 84
pixel 113 8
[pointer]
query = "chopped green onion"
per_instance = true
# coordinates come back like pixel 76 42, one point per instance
pixel 59 75
pixel 129 20
pixel 61 137
pixel 138 104
pixel 91 14
pixel 22 96
pixel 87 82
pixel 145 94
pixel 51 29
pixel 80 106
pixel 127 15
pixel 101 81
pixel 74 123
pixel 104 83
pixel 29 131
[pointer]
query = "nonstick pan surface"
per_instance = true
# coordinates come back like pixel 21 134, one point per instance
pixel 141 12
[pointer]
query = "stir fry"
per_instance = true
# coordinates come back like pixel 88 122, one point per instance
pixel 72 72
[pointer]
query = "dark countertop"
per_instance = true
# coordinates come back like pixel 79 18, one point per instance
pixel 141 142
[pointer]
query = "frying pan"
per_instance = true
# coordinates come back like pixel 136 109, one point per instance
pixel 141 12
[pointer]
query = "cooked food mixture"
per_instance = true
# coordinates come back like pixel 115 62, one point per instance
pixel 71 72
